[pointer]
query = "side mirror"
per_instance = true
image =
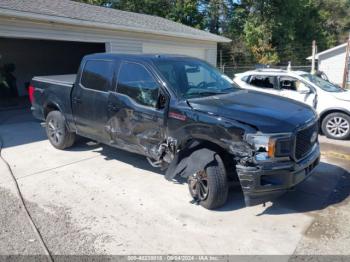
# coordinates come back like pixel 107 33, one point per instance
pixel 161 103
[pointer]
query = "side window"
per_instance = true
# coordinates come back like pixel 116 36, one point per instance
pixel 136 82
pixel 262 81
pixel 170 75
pixel 97 75
pixel 288 83
pixel 293 84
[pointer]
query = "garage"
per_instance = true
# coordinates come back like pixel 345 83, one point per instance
pixel 21 59
pixel 50 37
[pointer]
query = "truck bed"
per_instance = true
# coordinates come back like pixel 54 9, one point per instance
pixel 52 91
pixel 67 80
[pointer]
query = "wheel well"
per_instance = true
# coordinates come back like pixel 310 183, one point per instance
pixel 50 107
pixel 227 158
pixel 330 112
pixel 195 144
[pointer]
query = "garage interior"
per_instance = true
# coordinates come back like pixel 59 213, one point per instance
pixel 21 59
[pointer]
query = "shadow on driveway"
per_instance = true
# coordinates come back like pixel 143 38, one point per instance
pixel 327 186
pixel 19 127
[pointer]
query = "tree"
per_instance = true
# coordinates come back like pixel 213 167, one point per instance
pixel 335 17
pixel 216 13
pixel 258 32
pixel 278 31
pixel 187 12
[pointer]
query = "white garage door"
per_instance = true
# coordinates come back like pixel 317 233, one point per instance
pixel 153 48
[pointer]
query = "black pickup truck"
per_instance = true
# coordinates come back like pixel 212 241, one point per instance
pixel 187 118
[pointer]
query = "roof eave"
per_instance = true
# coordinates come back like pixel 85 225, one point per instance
pixel 310 57
pixel 79 22
pixel 328 51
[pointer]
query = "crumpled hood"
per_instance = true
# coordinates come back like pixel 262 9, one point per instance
pixel 269 113
pixel 345 96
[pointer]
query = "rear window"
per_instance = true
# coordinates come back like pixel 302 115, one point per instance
pixel 97 75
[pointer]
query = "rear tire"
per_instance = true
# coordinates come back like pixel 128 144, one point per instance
pixel 336 126
pixel 214 181
pixel 57 132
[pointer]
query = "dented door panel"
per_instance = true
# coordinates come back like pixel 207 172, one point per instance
pixel 132 126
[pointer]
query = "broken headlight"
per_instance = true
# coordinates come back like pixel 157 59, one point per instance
pixel 268 147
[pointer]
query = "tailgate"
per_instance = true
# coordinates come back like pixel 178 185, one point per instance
pixel 47 90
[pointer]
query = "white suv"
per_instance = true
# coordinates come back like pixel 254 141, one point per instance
pixel 330 101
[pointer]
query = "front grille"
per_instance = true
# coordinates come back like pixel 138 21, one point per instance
pixel 303 143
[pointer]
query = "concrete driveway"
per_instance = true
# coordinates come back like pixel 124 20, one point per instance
pixel 93 199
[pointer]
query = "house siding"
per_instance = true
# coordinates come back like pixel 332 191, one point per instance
pixel 333 63
pixel 211 54
pixel 127 46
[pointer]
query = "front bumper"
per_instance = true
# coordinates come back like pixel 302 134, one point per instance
pixel 268 181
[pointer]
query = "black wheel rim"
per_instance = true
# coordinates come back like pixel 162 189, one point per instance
pixel 55 132
pixel 198 184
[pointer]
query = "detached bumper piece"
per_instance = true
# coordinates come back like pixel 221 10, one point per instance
pixel 268 181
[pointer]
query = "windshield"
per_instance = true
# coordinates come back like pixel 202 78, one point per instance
pixel 325 85
pixel 194 78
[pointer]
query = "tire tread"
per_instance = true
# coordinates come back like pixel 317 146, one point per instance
pixel 217 179
pixel 69 137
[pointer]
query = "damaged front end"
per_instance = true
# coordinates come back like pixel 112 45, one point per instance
pixel 264 183
pixel 273 168
pixel 265 164
pixel 163 154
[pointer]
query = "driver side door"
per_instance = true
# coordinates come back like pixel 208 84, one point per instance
pixel 136 121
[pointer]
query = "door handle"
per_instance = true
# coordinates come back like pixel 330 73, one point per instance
pixel 76 100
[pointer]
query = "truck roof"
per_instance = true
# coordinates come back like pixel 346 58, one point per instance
pixel 137 56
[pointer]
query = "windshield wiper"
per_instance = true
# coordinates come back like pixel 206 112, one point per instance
pixel 206 93
pixel 230 89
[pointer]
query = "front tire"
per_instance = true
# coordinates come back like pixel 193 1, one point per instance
pixel 57 131
pixel 209 187
pixel 336 126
